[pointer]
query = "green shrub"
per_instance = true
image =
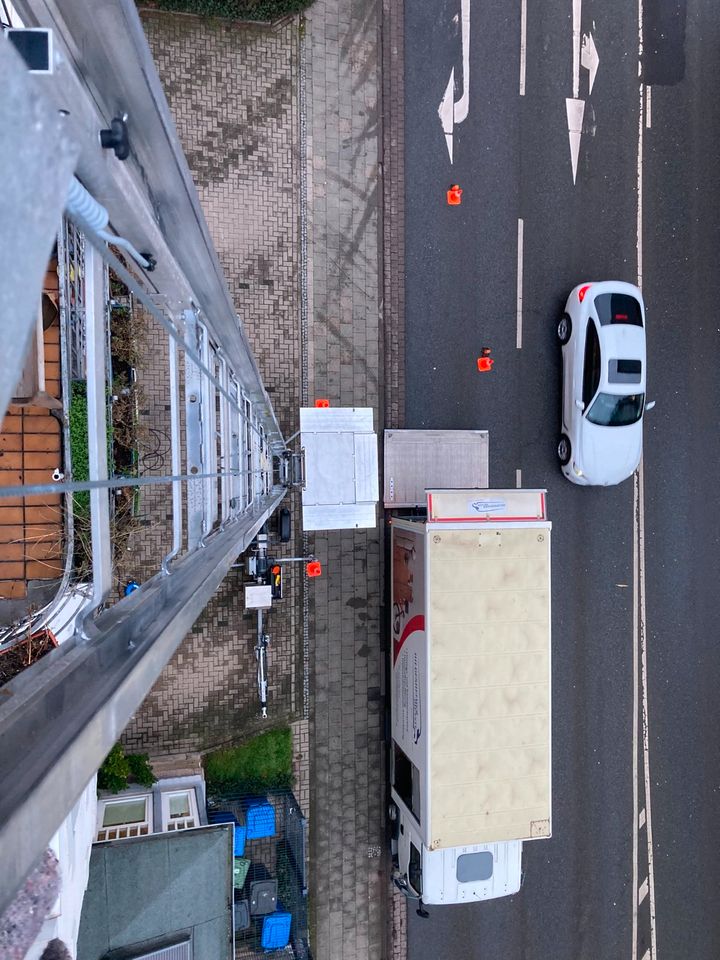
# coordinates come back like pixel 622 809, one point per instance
pixel 236 9
pixel 113 774
pixel 263 763
pixel 140 769
pixel 119 769
pixel 79 457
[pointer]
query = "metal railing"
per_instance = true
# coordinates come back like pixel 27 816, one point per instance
pixel 60 717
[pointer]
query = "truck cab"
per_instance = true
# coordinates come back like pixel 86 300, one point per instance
pixel 456 874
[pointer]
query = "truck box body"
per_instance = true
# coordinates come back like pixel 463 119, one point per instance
pixel 471 674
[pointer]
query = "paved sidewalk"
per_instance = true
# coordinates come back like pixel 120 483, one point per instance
pixel 240 94
pixel 347 825
pixel 232 89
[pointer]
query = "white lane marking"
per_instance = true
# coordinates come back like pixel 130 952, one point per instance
pixel 643 891
pixel 520 241
pixel 518 479
pixel 638 526
pixel 648 107
pixel 453 111
pixel 641 818
pixel 640 154
pixel 645 711
pixel 462 106
pixel 636 717
pixel 646 955
pixel 575 111
pixel 523 45
pixel 577 12
pixel 575 108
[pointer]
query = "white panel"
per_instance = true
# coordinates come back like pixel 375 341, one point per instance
pixel 329 468
pixel 334 419
pixel 341 468
pixel 491 506
pixel 491 736
pixel 367 485
pixel 342 517
pixel 258 597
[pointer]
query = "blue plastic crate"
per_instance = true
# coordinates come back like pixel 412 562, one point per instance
pixel 259 819
pixel 275 931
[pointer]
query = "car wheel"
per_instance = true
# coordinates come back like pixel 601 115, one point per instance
pixel 563 450
pixel 564 328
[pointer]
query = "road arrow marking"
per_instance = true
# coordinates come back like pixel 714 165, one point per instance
pixel 575 111
pixel 589 57
pixel 446 112
pixel 453 111
pixel 577 11
pixel 575 107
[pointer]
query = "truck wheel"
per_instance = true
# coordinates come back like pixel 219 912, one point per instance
pixel 563 449
pixel 392 812
pixel 564 328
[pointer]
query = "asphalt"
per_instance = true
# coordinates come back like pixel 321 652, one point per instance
pixel 682 522
pixel 513 161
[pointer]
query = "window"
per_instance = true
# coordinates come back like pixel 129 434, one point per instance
pixel 618 308
pixel 415 869
pixel 406 780
pixel 127 817
pixel 179 810
pixel 474 867
pixel 610 410
pixel 624 371
pixel 591 367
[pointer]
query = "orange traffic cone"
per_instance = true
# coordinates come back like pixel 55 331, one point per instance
pixel 454 195
pixel 485 361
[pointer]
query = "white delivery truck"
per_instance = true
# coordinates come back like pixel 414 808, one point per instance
pixel 470 692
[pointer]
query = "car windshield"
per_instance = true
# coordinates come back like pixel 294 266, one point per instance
pixel 611 410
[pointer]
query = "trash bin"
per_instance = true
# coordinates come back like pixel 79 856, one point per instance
pixel 275 931
pixel 224 816
pixel 240 872
pixel 259 818
pixel 263 897
pixel 242 915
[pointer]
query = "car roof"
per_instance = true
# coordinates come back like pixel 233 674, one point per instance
pixel 621 341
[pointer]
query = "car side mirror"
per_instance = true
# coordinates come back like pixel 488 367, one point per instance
pixel 649 406
pixel 579 404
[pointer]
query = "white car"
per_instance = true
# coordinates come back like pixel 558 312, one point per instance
pixel 602 333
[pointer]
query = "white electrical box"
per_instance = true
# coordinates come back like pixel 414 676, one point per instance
pixel 258 597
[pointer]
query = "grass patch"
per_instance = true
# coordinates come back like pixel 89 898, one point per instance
pixel 235 9
pixel 263 763
pixel 79 456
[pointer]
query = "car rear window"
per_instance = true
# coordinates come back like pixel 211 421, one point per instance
pixel 618 308
pixel 624 371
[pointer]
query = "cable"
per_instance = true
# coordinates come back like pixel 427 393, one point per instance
pixel 81 203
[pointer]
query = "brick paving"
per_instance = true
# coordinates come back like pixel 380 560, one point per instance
pixel 347 823
pixel 232 92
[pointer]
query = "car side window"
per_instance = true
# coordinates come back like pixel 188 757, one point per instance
pixel 591 367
